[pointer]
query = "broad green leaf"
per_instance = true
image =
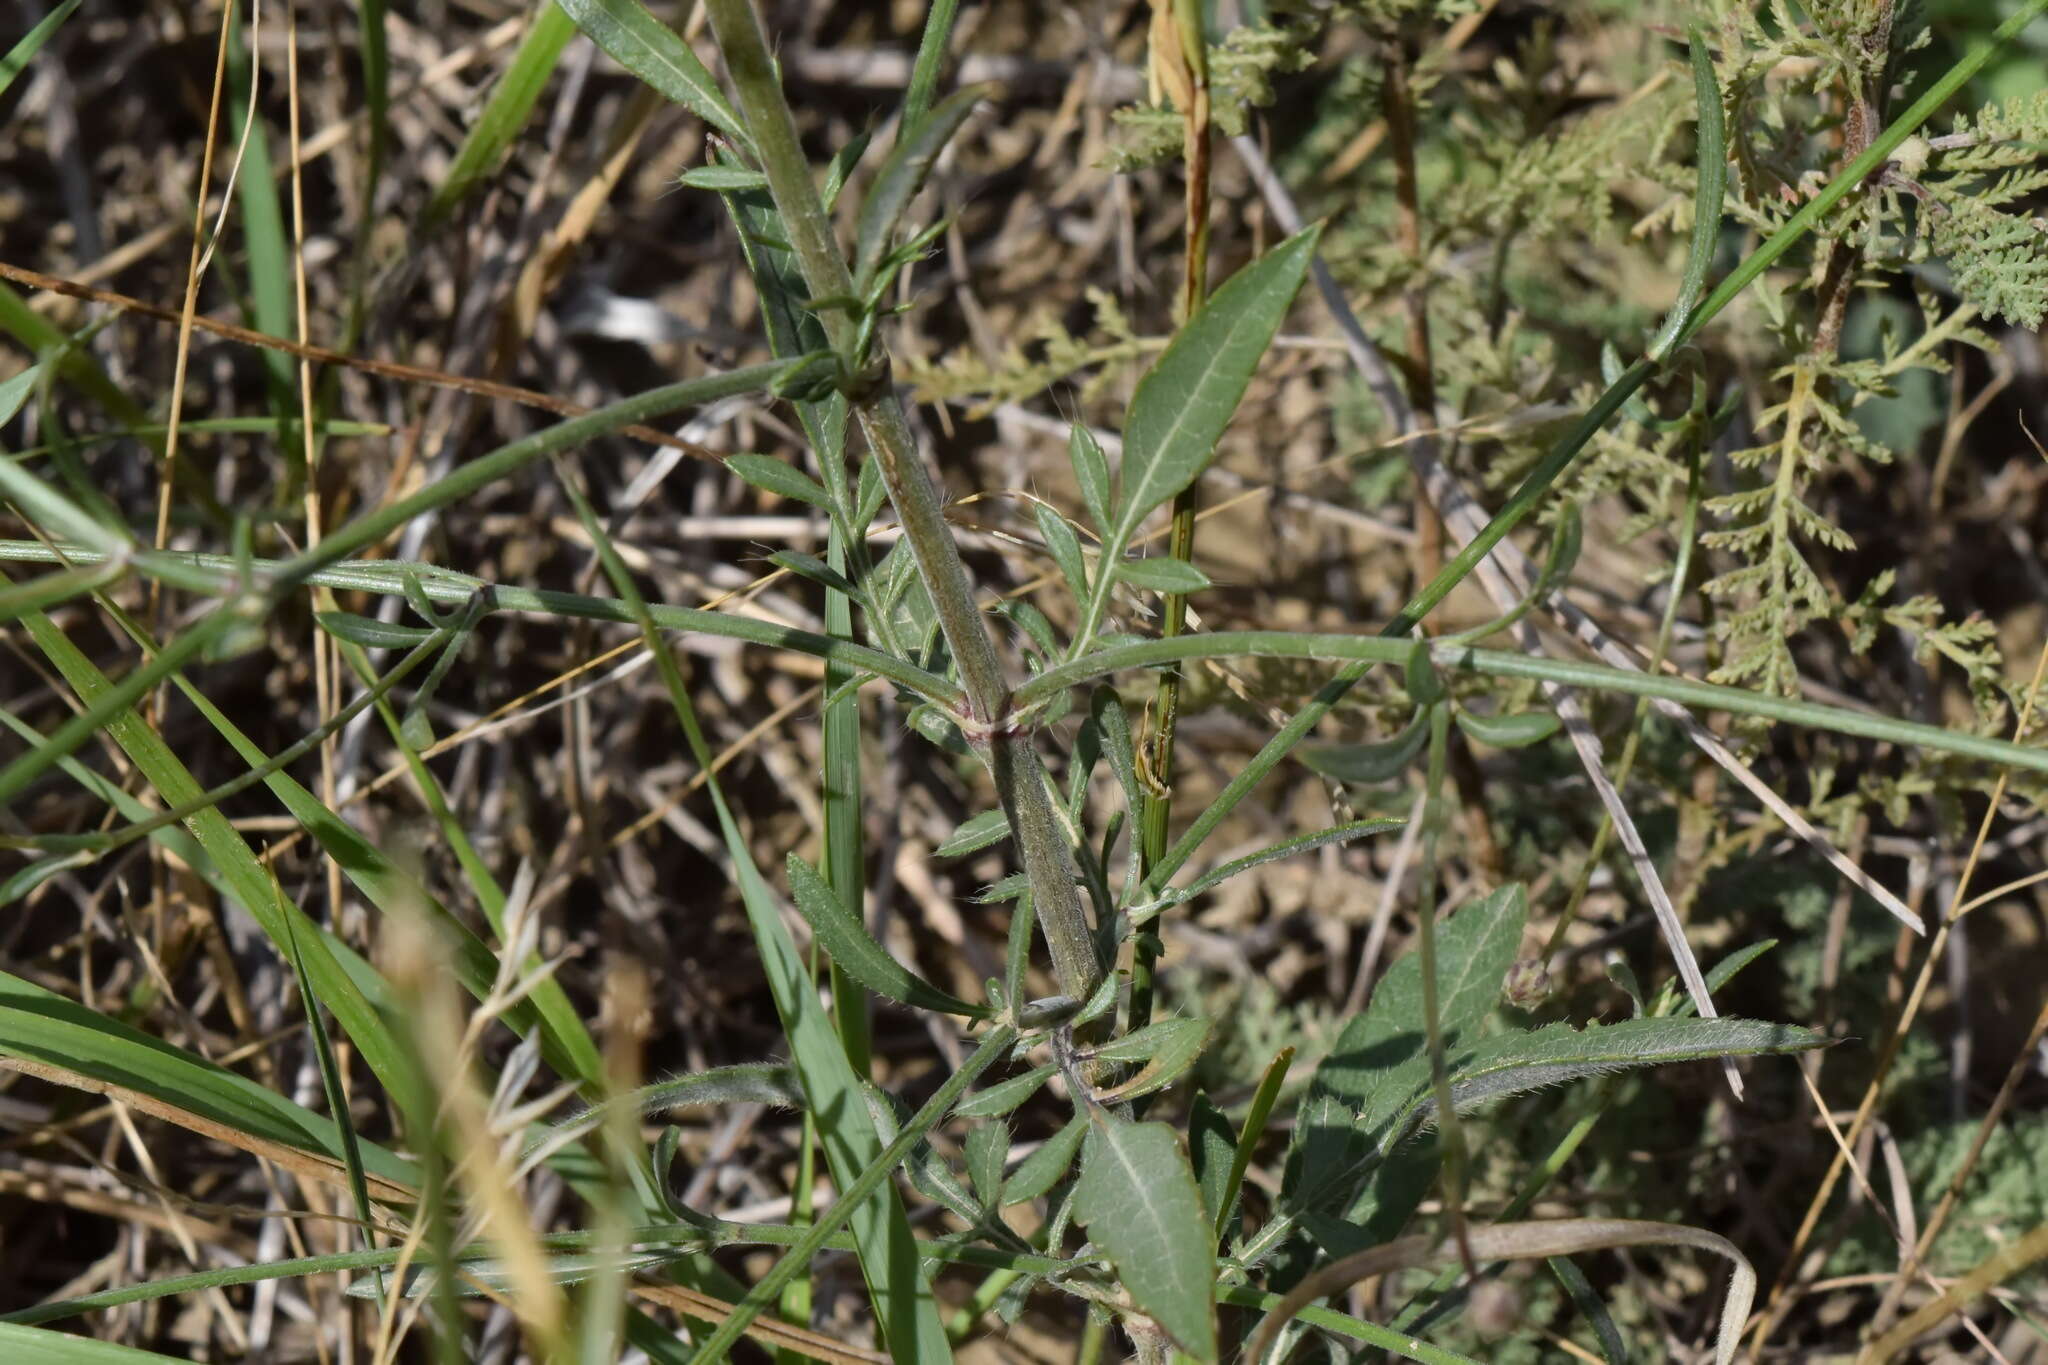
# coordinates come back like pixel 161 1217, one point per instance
pixel 39 1346
pixel 1138 1199
pixel 1514 731
pixel 975 833
pixel 1004 1096
pixel 656 53
pixel 505 112
pixel 850 945
pixel 1162 574
pixel 1212 1144
pixel 23 52
pixel 1046 1167
pixel 1186 400
pixel 1167 1048
pixel 780 478
pixel 901 177
pixel 1380 1061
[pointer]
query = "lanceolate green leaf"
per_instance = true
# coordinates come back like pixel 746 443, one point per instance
pixel 1162 573
pixel 1511 1063
pixel 857 953
pixel 902 176
pixel 1138 1199
pixel 656 53
pixel 1186 400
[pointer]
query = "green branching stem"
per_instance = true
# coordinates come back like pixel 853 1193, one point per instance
pixel 1020 787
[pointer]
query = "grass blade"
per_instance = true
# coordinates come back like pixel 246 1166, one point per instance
pixel 23 52
pixel 505 113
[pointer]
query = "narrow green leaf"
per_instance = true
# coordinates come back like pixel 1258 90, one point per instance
pixel 987 1147
pixel 901 177
pixel 1091 472
pixel 977 832
pixel 723 179
pixel 1167 1048
pixel 1138 1199
pixel 1161 574
pixel 1185 401
pixel 857 953
pixel 1512 1063
pixel 40 1026
pixel 657 54
pixel 23 52
pixel 1065 548
pixel 818 571
pixel 1710 187
pixel 330 1083
pixel 1046 1167
pixel 859 1159
pixel 1004 1096
pixel 227 847
pixel 1287 848
pixel 1515 731
pixel 1211 1145
pixel 15 391
pixel 371 633
pixel 780 478
pixel 505 112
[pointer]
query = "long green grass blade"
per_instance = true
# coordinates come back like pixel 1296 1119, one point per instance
pixel 223 842
pixel 37 1025
pixel 505 113
pixel 24 51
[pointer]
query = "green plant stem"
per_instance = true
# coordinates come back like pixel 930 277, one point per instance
pixel 1019 777
pixel 765 1292
pixel 1157 816
pixel 931 57
pixel 1432 1006
pixel 215 574
pixel 1369 650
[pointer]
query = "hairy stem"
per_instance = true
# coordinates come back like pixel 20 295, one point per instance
pixel 1048 861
